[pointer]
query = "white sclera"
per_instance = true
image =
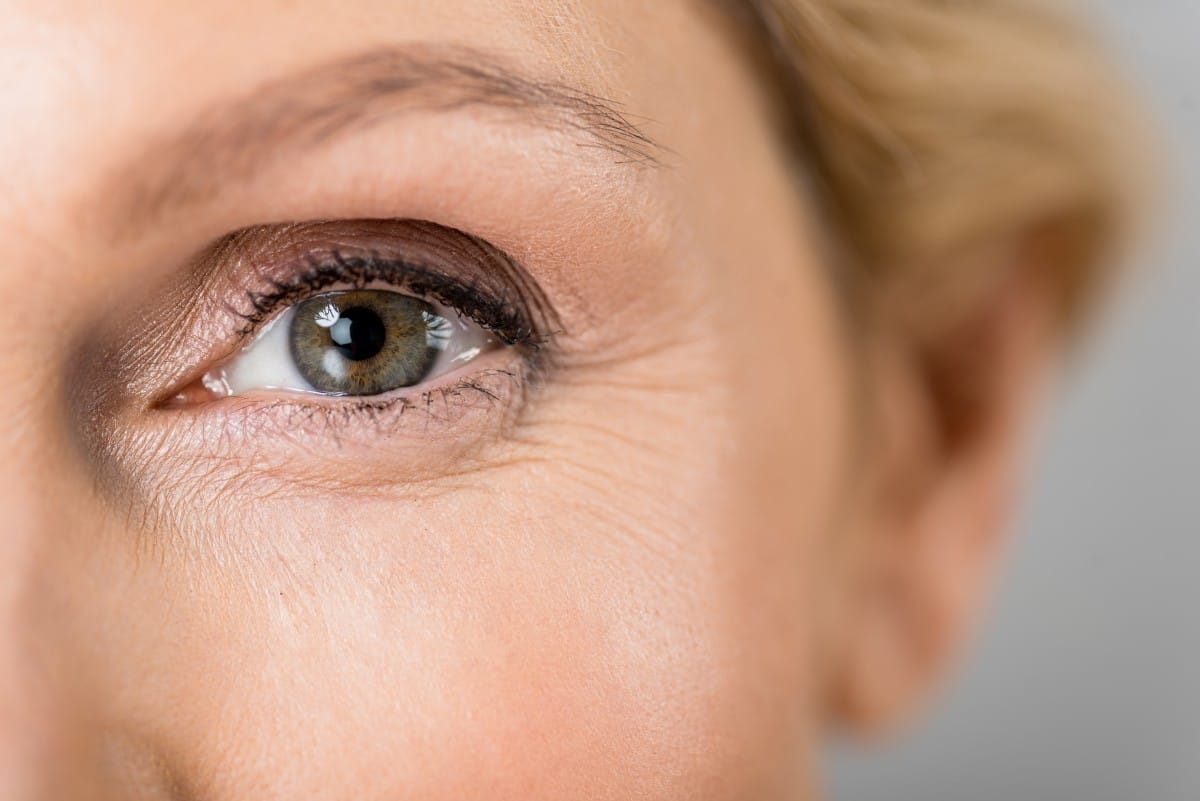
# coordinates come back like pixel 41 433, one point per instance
pixel 266 362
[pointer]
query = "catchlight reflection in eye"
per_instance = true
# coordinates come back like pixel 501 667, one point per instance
pixel 360 342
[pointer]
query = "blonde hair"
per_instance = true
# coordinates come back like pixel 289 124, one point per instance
pixel 929 126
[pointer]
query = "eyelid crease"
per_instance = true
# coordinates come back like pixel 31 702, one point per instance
pixel 464 265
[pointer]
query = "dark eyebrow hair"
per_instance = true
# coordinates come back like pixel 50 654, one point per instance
pixel 231 141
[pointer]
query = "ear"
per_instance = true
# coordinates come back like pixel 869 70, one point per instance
pixel 951 405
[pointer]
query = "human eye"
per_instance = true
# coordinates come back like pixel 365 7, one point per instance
pixel 340 318
pixel 358 342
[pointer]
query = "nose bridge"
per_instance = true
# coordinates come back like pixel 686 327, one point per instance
pixel 47 737
pixel 29 512
pixel 24 696
pixel 41 739
pixel 32 730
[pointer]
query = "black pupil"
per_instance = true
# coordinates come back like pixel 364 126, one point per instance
pixel 359 334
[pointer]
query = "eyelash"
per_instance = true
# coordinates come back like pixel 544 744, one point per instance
pixel 384 410
pixel 505 318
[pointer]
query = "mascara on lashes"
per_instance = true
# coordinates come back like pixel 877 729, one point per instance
pixel 457 269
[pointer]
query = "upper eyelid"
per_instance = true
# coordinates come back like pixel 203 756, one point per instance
pixel 261 269
pixel 335 269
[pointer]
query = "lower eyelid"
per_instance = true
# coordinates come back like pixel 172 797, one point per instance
pixel 493 373
pixel 281 441
pixel 281 444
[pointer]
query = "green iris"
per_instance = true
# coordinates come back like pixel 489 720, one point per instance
pixel 365 342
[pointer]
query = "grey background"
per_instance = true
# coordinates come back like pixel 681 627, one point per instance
pixel 1085 685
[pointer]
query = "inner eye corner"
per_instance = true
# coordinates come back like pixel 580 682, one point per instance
pixel 186 394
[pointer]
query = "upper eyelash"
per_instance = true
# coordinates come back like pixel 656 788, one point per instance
pixel 506 319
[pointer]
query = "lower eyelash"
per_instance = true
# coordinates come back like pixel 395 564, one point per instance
pixel 279 447
pixel 497 388
pixel 427 401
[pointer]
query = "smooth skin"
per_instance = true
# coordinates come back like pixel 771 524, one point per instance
pixel 690 553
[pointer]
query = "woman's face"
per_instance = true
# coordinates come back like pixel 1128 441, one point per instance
pixel 575 555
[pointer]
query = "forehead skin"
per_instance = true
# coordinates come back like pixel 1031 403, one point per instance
pixel 93 85
pixel 616 609
pixel 96 62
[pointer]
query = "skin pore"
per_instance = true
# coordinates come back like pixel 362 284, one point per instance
pixel 642 560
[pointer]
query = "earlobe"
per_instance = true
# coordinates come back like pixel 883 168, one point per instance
pixel 929 527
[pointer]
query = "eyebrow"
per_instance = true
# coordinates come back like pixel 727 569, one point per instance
pixel 232 141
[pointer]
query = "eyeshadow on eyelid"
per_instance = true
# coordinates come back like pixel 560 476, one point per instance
pixel 270 257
